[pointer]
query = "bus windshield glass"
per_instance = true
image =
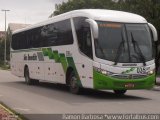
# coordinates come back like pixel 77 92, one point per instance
pixel 122 43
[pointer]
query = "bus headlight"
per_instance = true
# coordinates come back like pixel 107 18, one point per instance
pixel 151 72
pixel 104 72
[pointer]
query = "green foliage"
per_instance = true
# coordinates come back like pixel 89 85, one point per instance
pixel 4 67
pixel 1 50
pixel 8 41
pixel 82 4
pixel 150 9
pixel 2 43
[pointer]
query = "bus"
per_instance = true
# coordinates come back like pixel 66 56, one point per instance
pixel 89 48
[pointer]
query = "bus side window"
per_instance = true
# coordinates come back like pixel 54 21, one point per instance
pixel 84 36
pixel 58 33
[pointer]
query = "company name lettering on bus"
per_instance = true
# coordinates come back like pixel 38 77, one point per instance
pixel 40 56
pixel 143 70
pixel 28 57
pixel 111 25
pixel 68 54
pixel 128 71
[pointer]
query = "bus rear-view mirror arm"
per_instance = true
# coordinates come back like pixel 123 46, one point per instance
pixel 94 27
pixel 154 31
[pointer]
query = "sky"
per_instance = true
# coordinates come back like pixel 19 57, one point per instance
pixel 26 11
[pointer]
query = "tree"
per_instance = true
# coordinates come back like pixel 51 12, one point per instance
pixel 150 9
pixel 1 50
pixel 2 42
pixel 82 4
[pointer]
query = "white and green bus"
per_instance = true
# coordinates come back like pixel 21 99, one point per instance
pixel 90 48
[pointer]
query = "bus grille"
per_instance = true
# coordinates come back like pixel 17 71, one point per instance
pixel 121 76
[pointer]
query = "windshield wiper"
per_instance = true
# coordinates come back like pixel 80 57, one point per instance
pixel 140 52
pixel 120 48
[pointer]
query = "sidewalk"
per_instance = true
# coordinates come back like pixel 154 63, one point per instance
pixel 157 86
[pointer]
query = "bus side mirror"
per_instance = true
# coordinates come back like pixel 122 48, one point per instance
pixel 154 31
pixel 94 27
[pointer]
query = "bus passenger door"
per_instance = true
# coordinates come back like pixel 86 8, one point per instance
pixel 36 65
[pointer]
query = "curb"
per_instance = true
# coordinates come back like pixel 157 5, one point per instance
pixel 156 88
pixel 7 110
pixel 10 112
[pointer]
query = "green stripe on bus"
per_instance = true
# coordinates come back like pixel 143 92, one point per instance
pixel 45 52
pixel 72 64
pixel 50 53
pixel 65 61
pixel 56 56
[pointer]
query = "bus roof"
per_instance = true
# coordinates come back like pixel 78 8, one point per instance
pixel 96 14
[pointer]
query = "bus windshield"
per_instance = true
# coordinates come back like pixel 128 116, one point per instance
pixel 122 43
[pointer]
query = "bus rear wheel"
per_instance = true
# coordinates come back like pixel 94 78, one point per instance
pixel 73 85
pixel 28 80
pixel 120 92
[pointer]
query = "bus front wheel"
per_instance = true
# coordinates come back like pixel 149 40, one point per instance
pixel 120 92
pixel 28 80
pixel 73 85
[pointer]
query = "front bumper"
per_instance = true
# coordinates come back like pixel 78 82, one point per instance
pixel 103 82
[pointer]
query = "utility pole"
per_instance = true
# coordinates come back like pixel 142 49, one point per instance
pixel 5 11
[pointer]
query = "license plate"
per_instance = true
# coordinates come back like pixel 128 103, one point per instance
pixel 129 85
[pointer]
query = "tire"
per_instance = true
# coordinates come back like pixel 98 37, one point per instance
pixel 28 80
pixel 73 85
pixel 35 82
pixel 120 92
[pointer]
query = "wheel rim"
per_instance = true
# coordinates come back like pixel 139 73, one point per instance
pixel 74 82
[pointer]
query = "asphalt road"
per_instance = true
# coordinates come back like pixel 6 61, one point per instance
pixel 55 99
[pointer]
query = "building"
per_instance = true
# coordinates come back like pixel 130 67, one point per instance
pixel 15 26
pixel 12 27
pixel 2 34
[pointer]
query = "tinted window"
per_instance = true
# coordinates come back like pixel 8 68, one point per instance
pixel 14 42
pixel 58 33
pixel 124 43
pixel 83 36
pixel 111 44
pixel 35 38
pixel 22 41
pixel 19 41
pixel 140 42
